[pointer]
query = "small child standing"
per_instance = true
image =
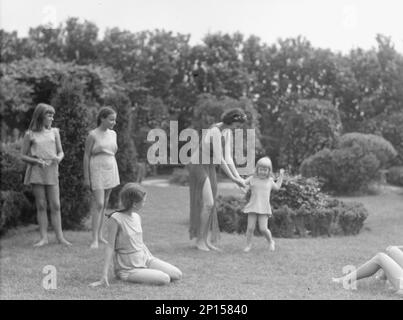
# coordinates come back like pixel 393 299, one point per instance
pixel 258 208
pixel 132 260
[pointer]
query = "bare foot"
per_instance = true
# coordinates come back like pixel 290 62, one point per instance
pixel 212 247
pixel 65 242
pixel 247 249
pixel 94 245
pixel 201 245
pixel 272 245
pixel 41 243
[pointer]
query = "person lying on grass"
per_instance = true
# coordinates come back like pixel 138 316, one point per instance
pixel 132 260
pixel 391 264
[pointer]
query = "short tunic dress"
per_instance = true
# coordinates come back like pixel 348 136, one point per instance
pixel 198 173
pixel 43 146
pixel 130 251
pixel 103 171
pixel 259 202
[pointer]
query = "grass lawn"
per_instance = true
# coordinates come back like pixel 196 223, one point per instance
pixel 298 269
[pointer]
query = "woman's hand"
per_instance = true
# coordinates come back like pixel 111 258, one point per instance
pixel 240 182
pixel 103 282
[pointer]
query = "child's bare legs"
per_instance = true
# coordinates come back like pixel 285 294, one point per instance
pixel 158 273
pixel 250 229
pixel 262 220
pixel 41 210
pixel 53 194
pixel 393 271
pixel 97 207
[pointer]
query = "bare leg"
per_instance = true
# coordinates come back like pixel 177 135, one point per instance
pixel 97 209
pixel 54 202
pixel 393 271
pixel 102 217
pixel 173 272
pixel 208 207
pixel 262 219
pixel 41 209
pixel 250 230
pixel 148 276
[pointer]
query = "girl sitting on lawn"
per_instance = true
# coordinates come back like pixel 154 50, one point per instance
pixel 391 263
pixel 133 261
pixel 258 207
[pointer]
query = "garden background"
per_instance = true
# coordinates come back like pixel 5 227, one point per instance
pixel 334 121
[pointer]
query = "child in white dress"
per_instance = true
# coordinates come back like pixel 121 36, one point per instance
pixel 258 208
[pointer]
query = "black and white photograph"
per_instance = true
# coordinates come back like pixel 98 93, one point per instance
pixel 226 152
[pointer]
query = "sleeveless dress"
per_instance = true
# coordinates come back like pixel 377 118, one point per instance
pixel 103 172
pixel 198 173
pixel 43 146
pixel 259 202
pixel 130 251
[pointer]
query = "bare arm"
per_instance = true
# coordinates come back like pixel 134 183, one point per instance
pixel 218 153
pixel 228 153
pixel 59 149
pixel 112 229
pixel 89 142
pixel 26 143
pixel 279 182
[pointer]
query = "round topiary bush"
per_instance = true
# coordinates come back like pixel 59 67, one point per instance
pixel 352 166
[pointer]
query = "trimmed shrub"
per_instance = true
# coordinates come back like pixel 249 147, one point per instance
pixel 352 166
pixel 395 176
pixel 179 176
pixel 299 209
pixel 310 126
pixel 72 119
pixel 369 143
pixel 15 210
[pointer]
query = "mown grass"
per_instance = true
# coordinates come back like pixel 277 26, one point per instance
pixel 298 269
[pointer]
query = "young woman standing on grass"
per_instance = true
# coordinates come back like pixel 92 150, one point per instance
pixel 100 169
pixel 391 264
pixel 42 151
pixel 203 179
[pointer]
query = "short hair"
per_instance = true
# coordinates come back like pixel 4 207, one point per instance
pixel 41 110
pixel 130 194
pixel 233 115
pixel 103 113
pixel 266 163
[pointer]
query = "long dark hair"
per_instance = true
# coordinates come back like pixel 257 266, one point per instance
pixel 41 110
pixel 233 115
pixel 103 113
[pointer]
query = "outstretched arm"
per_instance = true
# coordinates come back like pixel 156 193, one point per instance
pixel 112 228
pixel 279 182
